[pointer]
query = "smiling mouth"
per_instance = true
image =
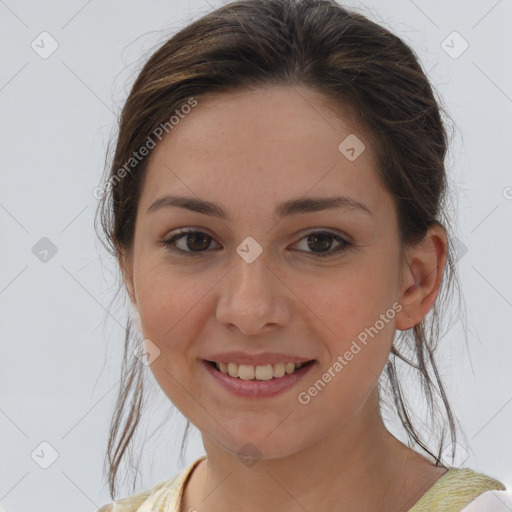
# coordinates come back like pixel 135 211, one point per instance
pixel 262 373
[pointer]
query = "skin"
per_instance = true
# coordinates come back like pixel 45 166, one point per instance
pixel 249 151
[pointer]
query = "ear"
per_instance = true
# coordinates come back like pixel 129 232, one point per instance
pixel 125 260
pixel 422 273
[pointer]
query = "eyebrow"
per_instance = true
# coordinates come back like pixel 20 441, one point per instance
pixel 287 208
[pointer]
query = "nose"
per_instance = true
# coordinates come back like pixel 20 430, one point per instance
pixel 253 297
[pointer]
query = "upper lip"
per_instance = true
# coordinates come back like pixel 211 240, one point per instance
pixel 260 359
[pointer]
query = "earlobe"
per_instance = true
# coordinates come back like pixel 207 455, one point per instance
pixel 421 278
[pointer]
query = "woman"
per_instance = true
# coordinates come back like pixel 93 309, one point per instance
pixel 275 204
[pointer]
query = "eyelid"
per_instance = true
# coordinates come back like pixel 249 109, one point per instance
pixel 331 231
pixel 179 232
pixel 344 241
pixel 300 234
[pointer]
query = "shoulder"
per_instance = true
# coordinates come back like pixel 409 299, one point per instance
pixel 134 502
pixel 163 496
pixel 459 488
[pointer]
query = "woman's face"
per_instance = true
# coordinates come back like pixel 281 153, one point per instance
pixel 258 281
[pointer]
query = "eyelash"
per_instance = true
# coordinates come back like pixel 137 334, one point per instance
pixel 170 243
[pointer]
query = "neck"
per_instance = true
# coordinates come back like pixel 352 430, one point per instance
pixel 358 467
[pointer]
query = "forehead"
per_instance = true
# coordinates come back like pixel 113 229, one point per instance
pixel 264 144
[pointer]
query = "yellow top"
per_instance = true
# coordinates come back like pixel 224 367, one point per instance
pixel 456 489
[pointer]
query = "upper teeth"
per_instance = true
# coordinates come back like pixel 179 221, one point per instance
pixel 250 372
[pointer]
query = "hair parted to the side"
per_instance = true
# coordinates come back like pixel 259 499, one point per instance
pixel 355 64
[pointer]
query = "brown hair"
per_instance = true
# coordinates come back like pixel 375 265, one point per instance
pixel 354 63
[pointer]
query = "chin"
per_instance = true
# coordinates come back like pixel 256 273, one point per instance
pixel 264 443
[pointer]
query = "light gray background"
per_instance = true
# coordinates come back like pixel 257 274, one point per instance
pixel 60 358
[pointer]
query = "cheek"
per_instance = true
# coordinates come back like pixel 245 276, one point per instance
pixel 172 310
pixel 355 325
pixel 354 320
pixel 168 304
pixel 346 303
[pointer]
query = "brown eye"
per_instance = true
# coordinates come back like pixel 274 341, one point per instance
pixel 191 242
pixel 322 242
pixel 194 242
pixel 319 243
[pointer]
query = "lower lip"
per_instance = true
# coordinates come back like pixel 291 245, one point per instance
pixel 257 388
